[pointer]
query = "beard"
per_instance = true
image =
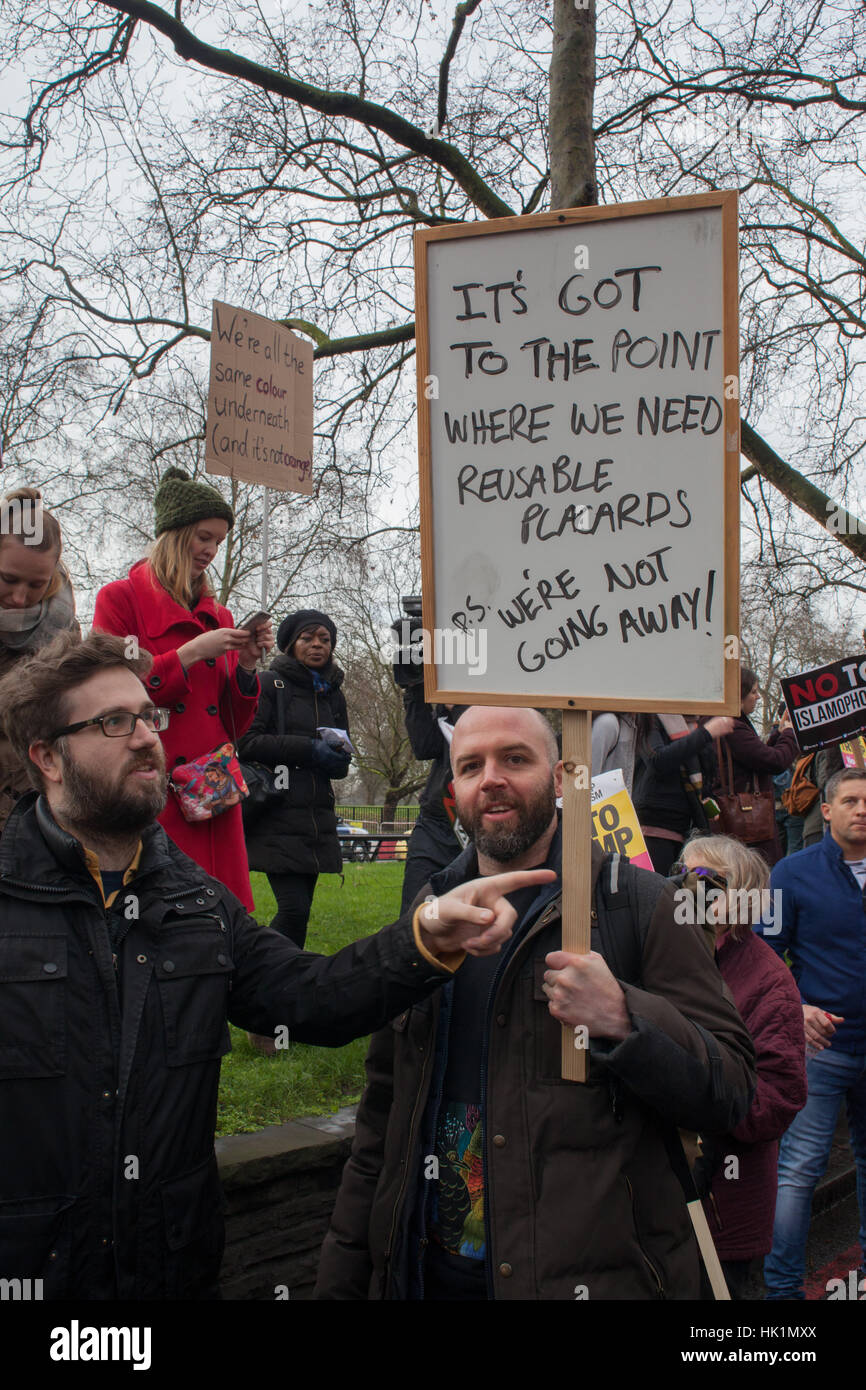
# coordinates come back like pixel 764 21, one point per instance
pixel 503 846
pixel 114 809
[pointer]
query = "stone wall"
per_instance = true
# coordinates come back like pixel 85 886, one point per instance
pixel 280 1186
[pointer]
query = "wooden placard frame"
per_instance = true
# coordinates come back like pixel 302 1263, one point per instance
pixel 726 202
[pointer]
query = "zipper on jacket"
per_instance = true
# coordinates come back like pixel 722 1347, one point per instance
pixel 37 887
pixel 660 1288
pixel 312 811
pixel 121 936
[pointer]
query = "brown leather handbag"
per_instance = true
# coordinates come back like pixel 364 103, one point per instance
pixel 749 816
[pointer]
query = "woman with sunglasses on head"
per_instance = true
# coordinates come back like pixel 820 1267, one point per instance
pixel 736 1174
pixel 36 603
pixel 204 670
pixel 296 838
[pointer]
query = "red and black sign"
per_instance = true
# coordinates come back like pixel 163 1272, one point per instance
pixel 827 704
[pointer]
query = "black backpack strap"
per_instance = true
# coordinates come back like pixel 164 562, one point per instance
pixel 625 903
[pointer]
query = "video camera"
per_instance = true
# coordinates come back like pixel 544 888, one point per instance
pixel 408 666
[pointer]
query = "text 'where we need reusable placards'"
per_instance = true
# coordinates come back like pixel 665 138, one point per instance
pixel 579 437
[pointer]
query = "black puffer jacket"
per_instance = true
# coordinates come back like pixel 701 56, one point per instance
pixel 298 834
pixel 104 1062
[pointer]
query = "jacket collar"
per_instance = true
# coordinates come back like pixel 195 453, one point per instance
pixel 465 867
pixel 299 674
pixel 35 850
pixel 834 852
pixel 160 611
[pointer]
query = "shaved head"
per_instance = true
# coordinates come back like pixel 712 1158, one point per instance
pixel 489 717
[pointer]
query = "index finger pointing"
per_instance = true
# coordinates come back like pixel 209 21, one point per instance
pixel 502 884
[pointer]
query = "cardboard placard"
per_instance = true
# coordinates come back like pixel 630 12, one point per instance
pixel 615 825
pixel 828 703
pixel 853 753
pixel 579 442
pixel 260 402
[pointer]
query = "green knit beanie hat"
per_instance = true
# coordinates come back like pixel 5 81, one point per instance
pixel 180 502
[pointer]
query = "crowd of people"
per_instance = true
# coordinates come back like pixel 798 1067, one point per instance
pixel 723 1033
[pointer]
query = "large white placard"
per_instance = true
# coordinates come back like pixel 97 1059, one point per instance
pixel 580 446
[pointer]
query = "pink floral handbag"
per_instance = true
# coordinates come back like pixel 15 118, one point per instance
pixel 210 784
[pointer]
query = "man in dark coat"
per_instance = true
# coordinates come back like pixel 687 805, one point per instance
pixel 476 1172
pixel 121 960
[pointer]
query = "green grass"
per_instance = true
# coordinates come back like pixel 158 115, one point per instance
pixel 256 1090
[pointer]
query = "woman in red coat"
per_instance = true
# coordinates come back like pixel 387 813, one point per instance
pixel 737 1172
pixel 204 670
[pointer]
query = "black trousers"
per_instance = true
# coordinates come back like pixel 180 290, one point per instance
pixel 663 853
pixel 294 895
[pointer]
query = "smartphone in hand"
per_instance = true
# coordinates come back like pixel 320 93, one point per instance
pixel 255 620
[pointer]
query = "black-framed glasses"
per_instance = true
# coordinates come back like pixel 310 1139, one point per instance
pixel 119 724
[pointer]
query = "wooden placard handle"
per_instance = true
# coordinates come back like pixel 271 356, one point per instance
pixel 576 865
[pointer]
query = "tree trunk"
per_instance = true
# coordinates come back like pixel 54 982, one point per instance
pixel 572 92
pixel 846 528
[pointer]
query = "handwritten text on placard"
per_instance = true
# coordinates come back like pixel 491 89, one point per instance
pixel 577 402
pixel 260 403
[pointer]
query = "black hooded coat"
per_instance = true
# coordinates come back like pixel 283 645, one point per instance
pixel 297 834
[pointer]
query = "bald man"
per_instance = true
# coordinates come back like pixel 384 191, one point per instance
pixel 476 1171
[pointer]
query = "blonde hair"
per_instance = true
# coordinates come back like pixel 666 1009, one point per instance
pixel 746 872
pixel 30 500
pixel 171 566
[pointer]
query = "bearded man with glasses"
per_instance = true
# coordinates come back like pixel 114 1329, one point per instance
pixel 120 961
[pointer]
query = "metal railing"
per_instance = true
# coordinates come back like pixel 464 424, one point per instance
pixel 372 816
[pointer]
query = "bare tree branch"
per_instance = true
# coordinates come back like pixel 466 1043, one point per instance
pixel 331 103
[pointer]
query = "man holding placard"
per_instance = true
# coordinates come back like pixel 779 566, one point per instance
pixel 476 1173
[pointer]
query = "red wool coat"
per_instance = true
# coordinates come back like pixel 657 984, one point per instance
pixel 742 1205
pixel 201 700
